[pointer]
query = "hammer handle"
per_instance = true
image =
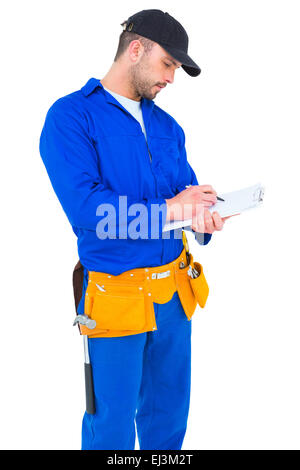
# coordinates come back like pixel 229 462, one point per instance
pixel 89 389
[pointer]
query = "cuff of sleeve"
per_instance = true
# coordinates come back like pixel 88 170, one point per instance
pixel 202 238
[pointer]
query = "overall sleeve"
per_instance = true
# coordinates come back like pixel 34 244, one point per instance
pixel 71 162
pixel 186 176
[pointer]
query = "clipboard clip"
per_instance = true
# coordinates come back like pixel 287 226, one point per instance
pixel 259 194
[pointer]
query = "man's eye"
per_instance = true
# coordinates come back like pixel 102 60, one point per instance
pixel 167 65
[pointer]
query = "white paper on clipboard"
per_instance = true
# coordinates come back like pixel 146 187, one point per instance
pixel 234 203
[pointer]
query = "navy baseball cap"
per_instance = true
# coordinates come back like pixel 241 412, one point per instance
pixel 163 29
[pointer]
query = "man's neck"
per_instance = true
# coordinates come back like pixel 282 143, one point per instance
pixel 120 96
pixel 117 82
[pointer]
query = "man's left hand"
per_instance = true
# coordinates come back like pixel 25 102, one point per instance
pixel 207 222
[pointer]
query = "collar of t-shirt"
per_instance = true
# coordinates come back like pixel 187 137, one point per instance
pixel 132 106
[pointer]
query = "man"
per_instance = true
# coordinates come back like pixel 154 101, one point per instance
pixel 107 140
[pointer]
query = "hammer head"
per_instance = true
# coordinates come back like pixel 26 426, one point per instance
pixel 86 321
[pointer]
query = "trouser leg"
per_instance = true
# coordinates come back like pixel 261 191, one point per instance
pixel 164 397
pixel 117 371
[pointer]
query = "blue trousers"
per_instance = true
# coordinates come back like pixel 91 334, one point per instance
pixel 142 378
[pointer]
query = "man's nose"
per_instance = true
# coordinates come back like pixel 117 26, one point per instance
pixel 169 77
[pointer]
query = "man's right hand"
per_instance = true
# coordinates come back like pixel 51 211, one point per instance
pixel 191 203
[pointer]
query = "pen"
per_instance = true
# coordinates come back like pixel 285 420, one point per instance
pixel 218 198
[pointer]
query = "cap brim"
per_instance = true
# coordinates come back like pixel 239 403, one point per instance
pixel 188 65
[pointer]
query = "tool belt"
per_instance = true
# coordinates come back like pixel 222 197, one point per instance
pixel 123 305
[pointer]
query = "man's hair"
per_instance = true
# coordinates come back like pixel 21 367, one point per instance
pixel 125 39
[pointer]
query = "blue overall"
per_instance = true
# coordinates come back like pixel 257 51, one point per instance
pixel 94 151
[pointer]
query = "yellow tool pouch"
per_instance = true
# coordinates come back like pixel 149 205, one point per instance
pixel 123 305
pixel 200 286
pixel 120 308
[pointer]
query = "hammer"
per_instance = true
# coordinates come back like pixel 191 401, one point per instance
pixel 89 386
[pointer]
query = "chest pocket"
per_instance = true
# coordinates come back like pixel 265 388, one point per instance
pixel 123 162
pixel 167 165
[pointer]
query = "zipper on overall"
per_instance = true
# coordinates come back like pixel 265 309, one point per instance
pixel 148 150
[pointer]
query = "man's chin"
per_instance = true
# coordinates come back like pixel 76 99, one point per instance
pixel 155 92
pixel 150 96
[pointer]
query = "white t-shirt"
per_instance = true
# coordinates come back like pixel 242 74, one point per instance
pixel 132 106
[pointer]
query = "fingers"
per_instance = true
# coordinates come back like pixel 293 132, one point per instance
pixel 214 222
pixel 209 223
pixel 204 222
pixel 207 202
pixel 207 188
pixel 204 194
pixel 208 194
pixel 198 224
pixel 210 198
pixel 229 216
pixel 218 221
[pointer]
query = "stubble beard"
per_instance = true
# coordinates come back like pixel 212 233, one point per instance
pixel 142 87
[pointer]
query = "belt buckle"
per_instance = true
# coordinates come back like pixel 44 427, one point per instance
pixel 162 275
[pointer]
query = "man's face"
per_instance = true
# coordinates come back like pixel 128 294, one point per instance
pixel 153 72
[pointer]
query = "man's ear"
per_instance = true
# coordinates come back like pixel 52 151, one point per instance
pixel 135 50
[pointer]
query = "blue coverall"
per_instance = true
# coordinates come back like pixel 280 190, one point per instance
pixel 94 150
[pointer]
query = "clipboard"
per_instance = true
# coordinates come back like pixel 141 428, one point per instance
pixel 234 203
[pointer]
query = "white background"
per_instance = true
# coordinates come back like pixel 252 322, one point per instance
pixel 241 119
